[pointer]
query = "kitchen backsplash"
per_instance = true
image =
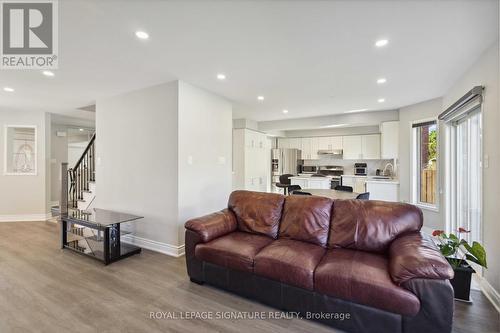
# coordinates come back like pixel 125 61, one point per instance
pixel 348 165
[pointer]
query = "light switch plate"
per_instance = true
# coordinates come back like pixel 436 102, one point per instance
pixel 190 160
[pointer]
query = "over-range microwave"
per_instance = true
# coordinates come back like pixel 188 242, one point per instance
pixel 309 169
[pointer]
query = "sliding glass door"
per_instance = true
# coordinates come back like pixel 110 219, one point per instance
pixel 467 175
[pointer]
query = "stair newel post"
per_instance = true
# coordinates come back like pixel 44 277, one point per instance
pixel 63 205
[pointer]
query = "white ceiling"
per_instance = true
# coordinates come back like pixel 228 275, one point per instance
pixel 312 58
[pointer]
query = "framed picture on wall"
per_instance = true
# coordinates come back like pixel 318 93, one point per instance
pixel 20 151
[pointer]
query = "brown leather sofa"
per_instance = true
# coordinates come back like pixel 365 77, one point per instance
pixel 317 256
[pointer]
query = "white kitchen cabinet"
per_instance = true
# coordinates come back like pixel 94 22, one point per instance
pixel 251 160
pixel 389 140
pixel 329 142
pixel 283 143
pixel 314 148
pixel 324 143
pixel 311 182
pixel 361 147
pixel 306 148
pixel 370 147
pixel 358 183
pixel 381 190
pixel 336 142
pixel 295 143
pixel 352 146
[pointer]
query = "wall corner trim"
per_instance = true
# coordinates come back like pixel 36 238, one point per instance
pixel 168 249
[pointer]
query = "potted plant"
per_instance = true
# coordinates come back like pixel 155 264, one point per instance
pixel 458 251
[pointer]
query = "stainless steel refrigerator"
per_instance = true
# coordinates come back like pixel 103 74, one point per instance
pixel 284 161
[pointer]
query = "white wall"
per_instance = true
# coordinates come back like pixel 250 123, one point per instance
pixel 408 115
pixel 165 154
pixel 485 72
pixel 58 155
pixel 205 153
pixel 136 142
pixel 25 197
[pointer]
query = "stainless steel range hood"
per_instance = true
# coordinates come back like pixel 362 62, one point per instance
pixel 332 152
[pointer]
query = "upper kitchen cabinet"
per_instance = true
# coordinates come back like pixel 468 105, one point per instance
pixel 306 148
pixel 361 147
pixel 329 142
pixel 370 147
pixel 352 147
pixel 283 143
pixel 390 139
pixel 295 143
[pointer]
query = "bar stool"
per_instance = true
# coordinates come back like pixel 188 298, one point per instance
pixel 284 183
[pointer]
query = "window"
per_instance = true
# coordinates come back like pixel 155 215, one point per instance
pixel 467 175
pixel 20 150
pixel 425 175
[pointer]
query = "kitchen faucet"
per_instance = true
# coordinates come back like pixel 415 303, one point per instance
pixel 385 169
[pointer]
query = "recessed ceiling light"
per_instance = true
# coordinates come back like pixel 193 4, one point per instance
pixel 357 110
pixel 48 73
pixel 381 42
pixel 285 111
pixel 381 100
pixel 260 98
pixel 8 89
pixel 221 76
pixel 81 129
pixel 382 80
pixel 142 35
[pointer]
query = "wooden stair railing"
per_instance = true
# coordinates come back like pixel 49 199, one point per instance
pixel 81 174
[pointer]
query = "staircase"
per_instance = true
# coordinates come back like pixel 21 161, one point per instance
pixel 81 179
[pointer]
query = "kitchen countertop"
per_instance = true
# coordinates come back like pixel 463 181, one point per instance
pixel 309 177
pixel 332 194
pixel 370 179
pixel 383 181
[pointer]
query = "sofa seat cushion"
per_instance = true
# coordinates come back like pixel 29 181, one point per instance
pixel 363 278
pixel 289 261
pixel 236 250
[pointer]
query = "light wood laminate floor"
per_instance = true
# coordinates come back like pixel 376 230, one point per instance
pixel 45 289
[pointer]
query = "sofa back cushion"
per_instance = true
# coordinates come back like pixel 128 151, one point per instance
pixel 257 212
pixel 306 218
pixel 371 225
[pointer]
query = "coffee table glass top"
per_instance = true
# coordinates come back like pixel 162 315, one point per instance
pixel 100 217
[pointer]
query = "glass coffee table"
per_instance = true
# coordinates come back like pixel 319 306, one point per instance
pixel 97 233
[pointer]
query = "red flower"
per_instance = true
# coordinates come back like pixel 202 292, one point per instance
pixel 437 233
pixel 463 230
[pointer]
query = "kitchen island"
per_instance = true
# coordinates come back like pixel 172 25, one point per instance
pixel 309 182
pixel 383 189
pixel 333 194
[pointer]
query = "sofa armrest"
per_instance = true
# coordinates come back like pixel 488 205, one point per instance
pixel 415 255
pixel 214 225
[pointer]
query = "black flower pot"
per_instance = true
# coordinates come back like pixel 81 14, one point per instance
pixel 462 279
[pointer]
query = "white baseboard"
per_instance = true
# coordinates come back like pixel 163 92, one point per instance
pixel 168 249
pixel 25 217
pixel 490 293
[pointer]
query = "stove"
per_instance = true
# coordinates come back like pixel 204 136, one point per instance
pixel 334 172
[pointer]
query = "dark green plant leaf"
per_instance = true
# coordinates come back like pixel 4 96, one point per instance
pixel 477 253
